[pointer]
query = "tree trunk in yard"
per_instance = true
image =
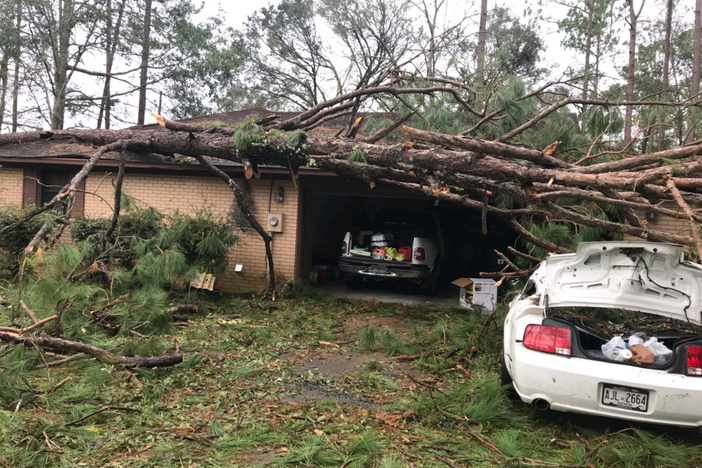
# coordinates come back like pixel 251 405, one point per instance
pixel 696 64
pixel 480 69
pixel 4 63
pixel 143 76
pixel 596 77
pixel 111 42
pixel 16 59
pixel 61 64
pixel 631 69
pixel 666 63
pixel 588 47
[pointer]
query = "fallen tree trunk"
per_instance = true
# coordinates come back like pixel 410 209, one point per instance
pixel 457 169
pixel 59 344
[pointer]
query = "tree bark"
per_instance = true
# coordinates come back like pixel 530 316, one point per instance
pixel 59 344
pixel 4 68
pixel 111 41
pixel 482 33
pixel 243 205
pixel 666 63
pixel 694 227
pixel 596 76
pixel 143 72
pixel 485 147
pixel 65 28
pixel 434 170
pixel 118 201
pixel 16 59
pixel 588 47
pixel 631 69
pixel 696 65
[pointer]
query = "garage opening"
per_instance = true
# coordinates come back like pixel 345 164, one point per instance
pixel 329 212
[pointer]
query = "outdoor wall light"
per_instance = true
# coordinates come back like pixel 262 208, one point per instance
pixel 280 194
pixel 651 216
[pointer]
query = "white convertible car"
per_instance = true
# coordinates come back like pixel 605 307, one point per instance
pixel 558 363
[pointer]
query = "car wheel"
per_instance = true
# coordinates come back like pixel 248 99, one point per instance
pixel 505 378
pixel 352 281
pixel 430 285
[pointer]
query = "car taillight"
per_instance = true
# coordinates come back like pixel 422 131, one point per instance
pixel 548 339
pixel 343 247
pixel 419 254
pixel 694 360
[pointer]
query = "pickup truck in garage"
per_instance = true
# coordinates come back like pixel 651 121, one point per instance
pixel 399 245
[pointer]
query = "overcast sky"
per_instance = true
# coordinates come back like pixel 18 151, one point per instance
pixel 556 59
pixel 237 11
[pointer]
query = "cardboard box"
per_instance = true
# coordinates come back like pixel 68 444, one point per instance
pixel 476 291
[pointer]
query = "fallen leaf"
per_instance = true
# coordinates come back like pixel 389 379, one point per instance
pixel 319 432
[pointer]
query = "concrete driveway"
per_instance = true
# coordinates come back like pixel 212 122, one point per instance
pixel 394 293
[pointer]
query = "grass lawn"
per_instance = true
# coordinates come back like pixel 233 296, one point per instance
pixel 308 382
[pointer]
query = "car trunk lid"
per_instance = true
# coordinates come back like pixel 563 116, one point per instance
pixel 640 276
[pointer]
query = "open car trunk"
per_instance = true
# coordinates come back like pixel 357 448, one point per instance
pixel 649 278
pixel 592 328
pixel 622 288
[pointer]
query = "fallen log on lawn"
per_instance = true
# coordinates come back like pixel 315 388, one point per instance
pixel 59 344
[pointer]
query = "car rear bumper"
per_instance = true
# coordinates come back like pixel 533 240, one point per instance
pixel 575 385
pixel 382 269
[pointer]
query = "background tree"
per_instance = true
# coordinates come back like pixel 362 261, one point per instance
pixel 588 28
pixel 696 66
pixel 8 45
pixel 144 66
pixel 480 51
pixel 514 47
pixel 634 13
pixel 61 32
pixel 289 63
pixel 113 26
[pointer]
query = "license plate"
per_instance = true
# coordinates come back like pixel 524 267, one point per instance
pixel 378 270
pixel 625 397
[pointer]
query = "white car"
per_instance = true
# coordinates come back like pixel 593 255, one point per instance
pixel 418 231
pixel 558 363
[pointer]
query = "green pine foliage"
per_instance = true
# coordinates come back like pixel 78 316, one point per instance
pixel 246 134
pixel 157 248
pixel 12 243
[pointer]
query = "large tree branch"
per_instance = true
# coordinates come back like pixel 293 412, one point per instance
pixel 485 147
pixel 59 344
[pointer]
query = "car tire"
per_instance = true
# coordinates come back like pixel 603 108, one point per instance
pixel 430 285
pixel 352 281
pixel 505 378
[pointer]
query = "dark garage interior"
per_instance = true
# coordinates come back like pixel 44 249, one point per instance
pixel 328 215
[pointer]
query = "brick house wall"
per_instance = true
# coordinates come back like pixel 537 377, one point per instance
pixel 186 193
pixel 11 186
pixel 675 225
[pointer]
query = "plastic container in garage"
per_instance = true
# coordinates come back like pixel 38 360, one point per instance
pixel 379 240
pixel 379 254
pixel 323 273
